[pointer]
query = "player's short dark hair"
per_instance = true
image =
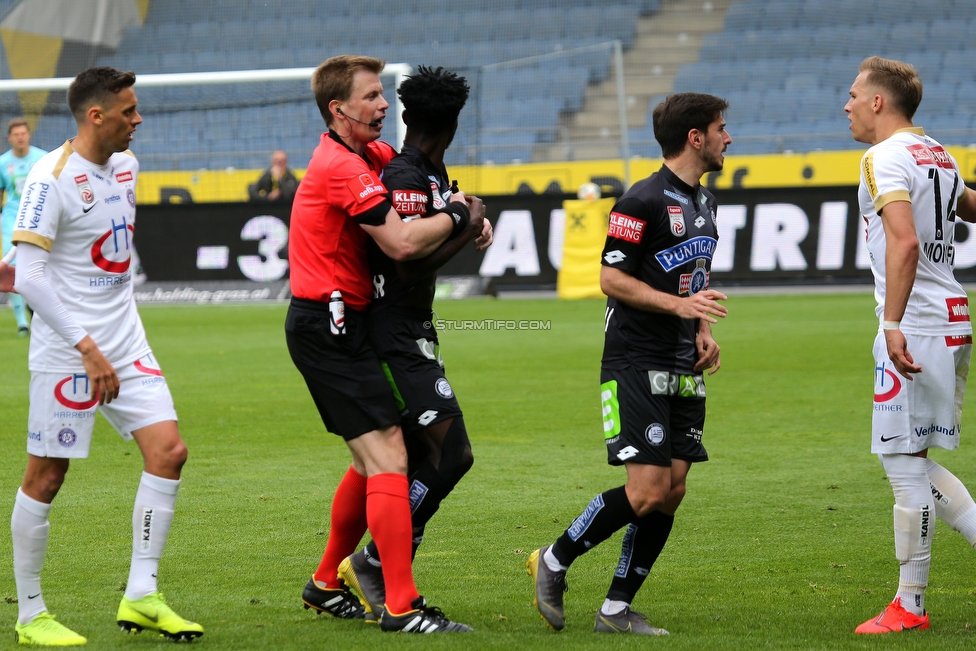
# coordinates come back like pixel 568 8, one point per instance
pixel 17 122
pixel 680 113
pixel 333 79
pixel 97 86
pixel 899 80
pixel 433 99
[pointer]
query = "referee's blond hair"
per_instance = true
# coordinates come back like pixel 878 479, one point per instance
pixel 899 80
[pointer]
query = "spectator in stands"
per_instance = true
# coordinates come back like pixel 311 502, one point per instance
pixel 278 183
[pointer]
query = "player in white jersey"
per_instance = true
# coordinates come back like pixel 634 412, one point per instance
pixel 910 195
pixel 89 352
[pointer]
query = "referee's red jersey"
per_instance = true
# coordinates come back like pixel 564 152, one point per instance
pixel 327 247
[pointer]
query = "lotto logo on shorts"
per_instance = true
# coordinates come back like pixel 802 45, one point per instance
pixel 958 309
pixel 67 437
pixel 74 393
pixel 886 384
pixel 625 227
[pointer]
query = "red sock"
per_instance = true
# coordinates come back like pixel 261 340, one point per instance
pixel 388 512
pixel 347 528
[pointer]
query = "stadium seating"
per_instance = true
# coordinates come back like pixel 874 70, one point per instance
pixel 511 106
pixel 786 67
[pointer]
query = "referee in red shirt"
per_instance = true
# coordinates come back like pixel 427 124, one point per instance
pixel 340 201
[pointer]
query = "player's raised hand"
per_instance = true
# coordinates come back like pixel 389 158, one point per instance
pixel 899 355
pixel 102 378
pixel 703 305
pixel 7 277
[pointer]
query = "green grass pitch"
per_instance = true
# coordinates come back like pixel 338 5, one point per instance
pixel 783 542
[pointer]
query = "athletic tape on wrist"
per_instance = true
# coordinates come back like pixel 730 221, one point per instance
pixel 891 325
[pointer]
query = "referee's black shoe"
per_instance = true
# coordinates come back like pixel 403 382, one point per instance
pixel 421 619
pixel 338 602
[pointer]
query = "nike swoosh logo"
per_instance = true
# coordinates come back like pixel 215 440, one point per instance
pixel 154 618
pixel 34 596
pixel 86 210
pixel 890 438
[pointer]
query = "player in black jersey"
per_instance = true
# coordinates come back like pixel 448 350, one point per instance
pixel 400 319
pixel 656 265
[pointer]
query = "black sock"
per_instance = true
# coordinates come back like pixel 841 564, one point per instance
pixel 604 515
pixel 427 491
pixel 642 545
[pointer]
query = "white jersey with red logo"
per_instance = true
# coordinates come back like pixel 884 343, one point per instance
pixel 83 214
pixel 910 166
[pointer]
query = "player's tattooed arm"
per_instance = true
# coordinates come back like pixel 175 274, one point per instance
pixel 620 285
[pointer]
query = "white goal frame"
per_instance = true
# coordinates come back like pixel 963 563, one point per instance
pixel 399 71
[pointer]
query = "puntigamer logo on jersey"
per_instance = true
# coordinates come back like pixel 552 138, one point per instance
pixel 625 227
pixel 679 254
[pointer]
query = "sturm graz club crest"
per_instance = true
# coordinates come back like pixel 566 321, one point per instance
pixel 696 281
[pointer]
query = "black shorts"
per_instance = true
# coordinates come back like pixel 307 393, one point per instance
pixel 342 372
pixel 406 342
pixel 652 417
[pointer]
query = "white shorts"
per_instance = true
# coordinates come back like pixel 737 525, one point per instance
pixel 62 414
pixel 910 416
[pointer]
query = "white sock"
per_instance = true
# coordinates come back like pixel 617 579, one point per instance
pixel 910 482
pixel 151 520
pixel 552 562
pixel 611 607
pixel 953 503
pixel 29 527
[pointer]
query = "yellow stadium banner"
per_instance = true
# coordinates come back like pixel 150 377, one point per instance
pixel 585 233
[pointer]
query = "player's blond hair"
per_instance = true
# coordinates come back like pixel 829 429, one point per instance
pixel 333 79
pixel 17 122
pixel 899 80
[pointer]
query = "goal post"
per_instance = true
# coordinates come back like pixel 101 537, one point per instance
pixel 398 71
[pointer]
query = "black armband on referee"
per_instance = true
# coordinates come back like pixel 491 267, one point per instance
pixel 458 211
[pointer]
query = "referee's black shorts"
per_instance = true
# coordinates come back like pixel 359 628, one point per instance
pixel 342 372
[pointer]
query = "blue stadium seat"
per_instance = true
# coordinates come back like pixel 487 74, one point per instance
pixel 742 16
